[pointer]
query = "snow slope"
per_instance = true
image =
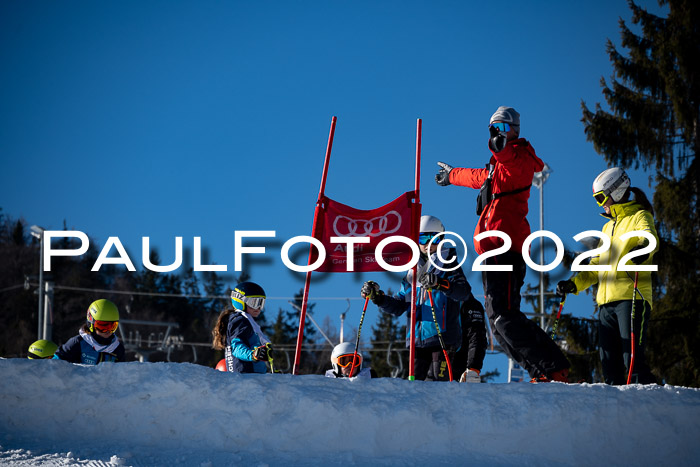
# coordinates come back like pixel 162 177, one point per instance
pixel 56 413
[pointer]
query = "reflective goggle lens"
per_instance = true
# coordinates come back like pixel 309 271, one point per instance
pixel 106 326
pixel 346 360
pixel 500 126
pixel 255 302
pixel 601 198
pixel 33 356
pixel 424 238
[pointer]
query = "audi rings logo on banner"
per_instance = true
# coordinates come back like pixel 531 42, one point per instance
pixel 381 225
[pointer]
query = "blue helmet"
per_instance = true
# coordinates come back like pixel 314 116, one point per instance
pixel 248 293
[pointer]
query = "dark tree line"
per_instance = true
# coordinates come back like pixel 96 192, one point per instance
pixel 190 301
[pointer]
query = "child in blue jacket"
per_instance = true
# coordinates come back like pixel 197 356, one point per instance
pixel 448 289
pixel 96 342
pixel 237 333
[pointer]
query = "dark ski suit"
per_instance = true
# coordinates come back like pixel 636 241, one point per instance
pixel 430 363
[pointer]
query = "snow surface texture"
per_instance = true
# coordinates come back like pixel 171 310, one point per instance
pixel 57 413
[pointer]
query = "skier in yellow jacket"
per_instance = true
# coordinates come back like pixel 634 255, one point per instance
pixel 612 191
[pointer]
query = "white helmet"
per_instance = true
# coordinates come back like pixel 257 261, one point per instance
pixel 344 348
pixel 611 183
pixel 430 224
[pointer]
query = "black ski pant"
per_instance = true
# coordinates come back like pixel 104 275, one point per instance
pixel 474 342
pixel 521 338
pixel 430 364
pixel 615 341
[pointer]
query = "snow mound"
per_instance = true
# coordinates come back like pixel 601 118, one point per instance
pixel 57 413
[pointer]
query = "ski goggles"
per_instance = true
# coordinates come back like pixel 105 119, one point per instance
pixel 501 126
pixel 33 356
pixel 425 238
pixel 601 198
pixel 254 302
pixel 105 326
pixel 347 360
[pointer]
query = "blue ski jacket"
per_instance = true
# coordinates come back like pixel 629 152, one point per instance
pixel 243 339
pixel 447 303
pixel 89 349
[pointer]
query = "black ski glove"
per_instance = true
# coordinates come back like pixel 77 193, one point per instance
pixel 639 259
pixel 371 290
pixel 262 352
pixel 498 140
pixel 565 287
pixel 443 176
pixel 432 281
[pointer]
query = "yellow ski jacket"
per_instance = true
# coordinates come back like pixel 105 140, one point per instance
pixel 616 285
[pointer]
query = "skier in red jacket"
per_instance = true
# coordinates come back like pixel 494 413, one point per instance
pixel 502 205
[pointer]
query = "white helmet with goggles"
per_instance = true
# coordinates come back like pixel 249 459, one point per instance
pixel 611 183
pixel 430 226
pixel 343 355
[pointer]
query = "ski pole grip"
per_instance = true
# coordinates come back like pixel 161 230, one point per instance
pixel 430 296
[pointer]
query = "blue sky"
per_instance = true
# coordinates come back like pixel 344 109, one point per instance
pixel 176 118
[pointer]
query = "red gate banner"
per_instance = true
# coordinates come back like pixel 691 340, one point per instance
pixel 399 217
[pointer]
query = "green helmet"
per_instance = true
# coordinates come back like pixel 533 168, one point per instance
pixel 41 349
pixel 102 310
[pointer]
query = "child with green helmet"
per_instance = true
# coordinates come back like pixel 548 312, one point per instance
pixel 41 349
pixel 96 341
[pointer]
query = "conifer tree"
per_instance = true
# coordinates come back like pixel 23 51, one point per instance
pixel 213 287
pixel 654 102
pixel 388 334
pixel 311 362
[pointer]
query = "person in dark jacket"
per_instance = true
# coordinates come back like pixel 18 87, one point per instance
pixel 448 288
pixel 96 342
pixel 237 333
pixel 502 206
pixel 469 359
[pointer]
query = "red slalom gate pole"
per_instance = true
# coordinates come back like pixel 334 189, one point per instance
pixel 307 282
pixel 415 228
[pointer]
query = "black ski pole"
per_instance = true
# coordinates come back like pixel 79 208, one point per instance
pixel 269 357
pixel 437 326
pixel 357 341
pixel 632 343
pixel 556 321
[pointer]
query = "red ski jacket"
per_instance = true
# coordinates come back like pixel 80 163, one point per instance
pixel 514 168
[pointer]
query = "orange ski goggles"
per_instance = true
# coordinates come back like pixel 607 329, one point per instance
pixel 105 326
pixel 347 360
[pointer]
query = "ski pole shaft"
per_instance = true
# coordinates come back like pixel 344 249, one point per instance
pixel 269 357
pixel 359 330
pixel 556 321
pixel 632 343
pixel 437 327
